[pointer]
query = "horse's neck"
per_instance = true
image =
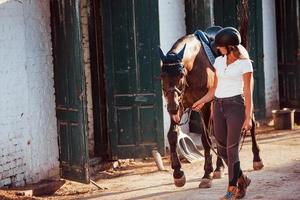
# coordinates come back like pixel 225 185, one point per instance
pixel 199 78
pixel 197 69
pixel 199 72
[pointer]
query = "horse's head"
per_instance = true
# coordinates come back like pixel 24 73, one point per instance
pixel 173 82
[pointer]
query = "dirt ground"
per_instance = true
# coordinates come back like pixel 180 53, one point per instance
pixel 140 179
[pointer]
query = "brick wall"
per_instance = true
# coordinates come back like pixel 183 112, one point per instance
pixel 28 131
pixel 87 71
pixel 270 56
pixel 12 97
pixel 172 27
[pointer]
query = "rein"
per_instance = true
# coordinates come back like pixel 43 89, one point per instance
pixel 188 118
pixel 209 130
pixel 181 94
pixel 206 132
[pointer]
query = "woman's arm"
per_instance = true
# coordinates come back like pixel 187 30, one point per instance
pixel 206 98
pixel 248 92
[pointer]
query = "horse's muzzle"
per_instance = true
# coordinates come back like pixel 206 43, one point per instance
pixel 173 109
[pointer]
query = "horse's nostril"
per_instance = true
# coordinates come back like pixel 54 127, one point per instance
pixel 172 109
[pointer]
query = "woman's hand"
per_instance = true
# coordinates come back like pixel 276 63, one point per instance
pixel 247 124
pixel 248 90
pixel 198 105
pixel 208 97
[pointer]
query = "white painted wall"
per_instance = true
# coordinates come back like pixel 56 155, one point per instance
pixel 28 131
pixel 270 56
pixel 172 27
pixel 171 22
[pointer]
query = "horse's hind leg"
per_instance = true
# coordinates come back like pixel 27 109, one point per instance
pixel 206 180
pixel 218 173
pixel 178 174
pixel 208 168
pixel 257 161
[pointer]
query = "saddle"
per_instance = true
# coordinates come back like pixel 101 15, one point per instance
pixel 207 39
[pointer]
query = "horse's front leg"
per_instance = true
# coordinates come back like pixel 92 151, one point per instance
pixel 178 174
pixel 257 161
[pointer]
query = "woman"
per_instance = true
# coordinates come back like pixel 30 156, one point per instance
pixel 233 105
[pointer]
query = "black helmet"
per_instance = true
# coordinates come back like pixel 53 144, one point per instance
pixel 228 36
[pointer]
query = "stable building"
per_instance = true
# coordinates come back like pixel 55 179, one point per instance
pixel 80 78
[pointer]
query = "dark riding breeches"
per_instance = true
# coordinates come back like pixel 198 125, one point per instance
pixel 229 116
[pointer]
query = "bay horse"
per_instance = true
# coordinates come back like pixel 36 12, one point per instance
pixel 186 76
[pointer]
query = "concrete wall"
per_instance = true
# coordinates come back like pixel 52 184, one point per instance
pixel 28 130
pixel 270 56
pixel 172 27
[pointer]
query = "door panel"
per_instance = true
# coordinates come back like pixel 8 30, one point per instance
pixel 198 15
pixel 132 65
pixel 288 45
pixel 69 89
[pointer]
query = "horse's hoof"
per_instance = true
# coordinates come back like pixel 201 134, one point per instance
pixel 218 174
pixel 205 183
pixel 180 182
pixel 258 165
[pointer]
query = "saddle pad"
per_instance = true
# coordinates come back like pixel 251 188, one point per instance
pixel 200 35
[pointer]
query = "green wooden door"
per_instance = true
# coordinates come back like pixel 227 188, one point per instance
pixel 131 39
pixel 288 45
pixel 226 14
pixel 69 89
pixel 198 15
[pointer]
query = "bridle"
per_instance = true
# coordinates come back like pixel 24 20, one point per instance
pixel 173 69
pixel 173 89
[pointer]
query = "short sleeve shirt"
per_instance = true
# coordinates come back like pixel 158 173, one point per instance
pixel 230 78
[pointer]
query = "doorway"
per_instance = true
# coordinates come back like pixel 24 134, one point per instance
pixel 99 94
pixel 288 52
pixel 106 68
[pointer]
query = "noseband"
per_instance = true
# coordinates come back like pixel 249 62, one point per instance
pixel 175 69
pixel 173 89
pixel 180 94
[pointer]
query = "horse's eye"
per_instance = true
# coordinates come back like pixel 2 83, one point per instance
pixel 181 75
pixel 162 75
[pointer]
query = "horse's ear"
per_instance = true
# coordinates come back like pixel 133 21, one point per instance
pixel 161 54
pixel 181 53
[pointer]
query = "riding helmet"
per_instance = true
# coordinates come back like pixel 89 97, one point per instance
pixel 228 36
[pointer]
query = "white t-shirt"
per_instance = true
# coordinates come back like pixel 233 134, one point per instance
pixel 230 78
